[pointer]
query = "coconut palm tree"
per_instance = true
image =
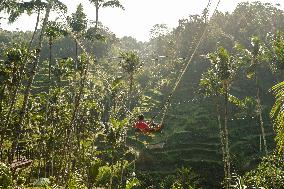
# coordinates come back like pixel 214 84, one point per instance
pixel 130 63
pixel 102 4
pixel 252 73
pixel 216 82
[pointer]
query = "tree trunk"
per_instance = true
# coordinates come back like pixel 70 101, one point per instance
pixel 47 111
pixel 50 62
pixel 227 150
pixel 2 94
pixel 76 58
pixel 97 16
pixel 130 91
pixel 259 111
pixel 222 138
pixel 3 129
pixel 49 80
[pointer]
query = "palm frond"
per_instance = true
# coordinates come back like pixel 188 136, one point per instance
pixel 277 114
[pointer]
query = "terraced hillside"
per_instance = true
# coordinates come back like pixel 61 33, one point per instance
pixel 198 147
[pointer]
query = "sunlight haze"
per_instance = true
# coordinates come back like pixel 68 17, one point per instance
pixel 139 16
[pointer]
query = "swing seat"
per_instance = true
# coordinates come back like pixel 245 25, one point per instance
pixel 155 128
pixel 156 146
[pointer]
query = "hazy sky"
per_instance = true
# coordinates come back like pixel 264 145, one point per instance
pixel 139 16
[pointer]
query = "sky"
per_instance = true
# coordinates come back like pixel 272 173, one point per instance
pixel 139 16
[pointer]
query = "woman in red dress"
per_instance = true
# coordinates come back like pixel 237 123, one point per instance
pixel 142 126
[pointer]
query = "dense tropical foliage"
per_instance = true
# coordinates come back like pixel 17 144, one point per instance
pixel 71 91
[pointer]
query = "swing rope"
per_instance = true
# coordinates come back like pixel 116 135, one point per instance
pixel 165 108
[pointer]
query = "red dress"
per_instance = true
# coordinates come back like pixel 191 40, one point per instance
pixel 142 126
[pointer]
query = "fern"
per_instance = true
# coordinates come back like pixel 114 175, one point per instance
pixel 277 114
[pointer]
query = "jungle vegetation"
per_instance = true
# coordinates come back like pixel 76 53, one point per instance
pixel 71 91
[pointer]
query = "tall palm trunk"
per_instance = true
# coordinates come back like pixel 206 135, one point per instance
pixel 222 138
pixel 130 92
pixel 17 85
pixel 76 58
pixel 47 111
pixel 97 15
pixel 50 62
pixel 18 126
pixel 259 112
pixel 49 79
pixel 2 95
pixel 227 150
pixel 2 129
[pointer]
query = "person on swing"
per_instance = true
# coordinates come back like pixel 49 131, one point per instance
pixel 145 127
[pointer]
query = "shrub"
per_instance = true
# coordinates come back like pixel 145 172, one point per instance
pixel 5 177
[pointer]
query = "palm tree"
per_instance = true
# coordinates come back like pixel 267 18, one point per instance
pixel 277 114
pixel 130 63
pixel 102 4
pixel 216 82
pixel 256 54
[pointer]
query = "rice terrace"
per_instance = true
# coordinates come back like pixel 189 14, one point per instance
pixel 132 94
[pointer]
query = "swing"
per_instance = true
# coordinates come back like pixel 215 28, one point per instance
pixel 165 107
pixel 146 127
